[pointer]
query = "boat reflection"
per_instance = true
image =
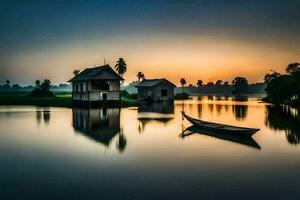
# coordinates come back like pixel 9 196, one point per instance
pixel 100 125
pixel 162 112
pixel 247 141
pixel 284 118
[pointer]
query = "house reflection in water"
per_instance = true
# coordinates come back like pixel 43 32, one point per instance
pixel 100 125
pixel 160 112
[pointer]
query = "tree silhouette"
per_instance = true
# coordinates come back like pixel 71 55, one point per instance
pixel 121 67
pixel 7 82
pixel 284 88
pixel 46 85
pixel 292 68
pixel 140 76
pixel 76 72
pixel 199 83
pixel 226 83
pixel 240 85
pixel 182 83
pixel 37 83
pixel 271 76
pixel 16 86
pixel 219 83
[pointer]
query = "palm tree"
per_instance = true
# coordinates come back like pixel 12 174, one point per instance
pixel 182 83
pixel 140 76
pixel 76 72
pixel 121 66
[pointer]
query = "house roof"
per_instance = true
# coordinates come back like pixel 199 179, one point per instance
pixel 153 82
pixel 90 73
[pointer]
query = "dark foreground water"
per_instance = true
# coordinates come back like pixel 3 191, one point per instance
pixel 138 153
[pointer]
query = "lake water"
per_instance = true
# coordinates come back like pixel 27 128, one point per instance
pixel 139 153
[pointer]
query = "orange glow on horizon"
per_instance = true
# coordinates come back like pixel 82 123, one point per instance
pixel 172 57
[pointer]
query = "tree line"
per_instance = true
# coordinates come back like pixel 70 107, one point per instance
pixel 284 88
pixel 238 86
pixel 8 86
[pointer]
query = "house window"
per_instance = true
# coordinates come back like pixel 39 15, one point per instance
pixel 100 85
pixel 164 92
pixel 76 86
pixel 81 87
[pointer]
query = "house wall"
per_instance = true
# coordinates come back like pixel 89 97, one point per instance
pixel 78 83
pixel 155 92
pixel 89 95
pixel 114 85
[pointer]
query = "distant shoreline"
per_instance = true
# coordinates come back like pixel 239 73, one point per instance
pixel 64 99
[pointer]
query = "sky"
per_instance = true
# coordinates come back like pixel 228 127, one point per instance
pixel 191 39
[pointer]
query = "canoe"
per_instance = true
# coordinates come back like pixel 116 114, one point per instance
pixel 223 128
pixel 235 138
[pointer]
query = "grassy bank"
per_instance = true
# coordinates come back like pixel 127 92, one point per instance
pixel 61 99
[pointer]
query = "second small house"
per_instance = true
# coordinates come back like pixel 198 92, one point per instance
pixel 99 84
pixel 155 90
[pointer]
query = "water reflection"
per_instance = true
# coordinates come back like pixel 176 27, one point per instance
pixel 240 111
pixel 199 110
pixel 218 108
pixel 159 107
pixel 241 98
pixel 43 114
pixel 284 118
pixel 161 112
pixel 100 125
pixel 247 141
pixel 122 141
pixel 210 97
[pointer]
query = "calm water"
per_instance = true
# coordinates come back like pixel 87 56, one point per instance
pixel 138 153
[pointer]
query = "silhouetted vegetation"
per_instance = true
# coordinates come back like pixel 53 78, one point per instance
pixel 223 88
pixel 15 87
pixel 240 86
pixel 183 95
pixel 284 88
pixel 140 76
pixel 125 94
pixel 76 72
pixel 121 67
pixel 42 90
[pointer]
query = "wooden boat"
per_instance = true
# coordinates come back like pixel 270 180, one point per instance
pixel 235 138
pixel 221 127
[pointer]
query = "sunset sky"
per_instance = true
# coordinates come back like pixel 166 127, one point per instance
pixel 201 39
